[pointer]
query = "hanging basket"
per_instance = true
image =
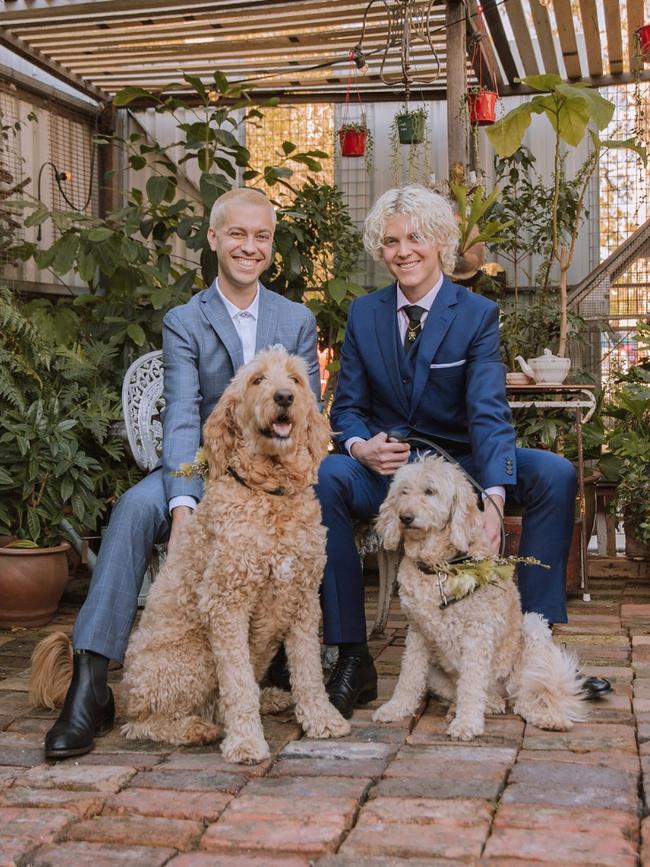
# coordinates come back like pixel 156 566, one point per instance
pixel 410 128
pixel 353 142
pixel 481 107
pixel 644 42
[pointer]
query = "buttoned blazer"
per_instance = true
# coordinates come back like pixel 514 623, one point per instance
pixel 457 393
pixel 202 351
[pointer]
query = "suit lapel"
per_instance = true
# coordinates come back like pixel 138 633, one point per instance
pixel 385 325
pixel 215 312
pixel 440 317
pixel 267 320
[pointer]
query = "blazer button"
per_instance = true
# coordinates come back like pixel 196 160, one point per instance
pixel 405 380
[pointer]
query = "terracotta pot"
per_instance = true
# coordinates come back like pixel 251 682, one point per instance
pixel 353 142
pixel 481 107
pixel 635 549
pixel 32 581
pixel 410 128
pixel 644 42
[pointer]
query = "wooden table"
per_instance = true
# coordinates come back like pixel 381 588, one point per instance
pixel 580 399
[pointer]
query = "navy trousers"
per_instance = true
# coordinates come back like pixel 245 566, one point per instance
pixel 348 491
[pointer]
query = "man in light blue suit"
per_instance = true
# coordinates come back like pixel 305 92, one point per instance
pixel 421 357
pixel 204 342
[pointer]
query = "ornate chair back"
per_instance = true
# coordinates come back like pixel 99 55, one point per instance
pixel 142 404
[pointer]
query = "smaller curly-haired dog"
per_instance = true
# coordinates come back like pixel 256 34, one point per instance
pixel 244 576
pixel 477 650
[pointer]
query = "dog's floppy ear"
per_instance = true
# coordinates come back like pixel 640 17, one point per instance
pixel 220 433
pixel 388 524
pixel 318 434
pixel 466 519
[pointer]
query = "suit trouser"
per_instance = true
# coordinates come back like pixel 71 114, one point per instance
pixel 139 520
pixel 348 491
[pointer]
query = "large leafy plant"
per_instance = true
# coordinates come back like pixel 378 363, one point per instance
pixel 58 456
pixel 573 110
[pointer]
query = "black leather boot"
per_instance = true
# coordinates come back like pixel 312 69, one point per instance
pixel 353 682
pixel 278 673
pixel 88 711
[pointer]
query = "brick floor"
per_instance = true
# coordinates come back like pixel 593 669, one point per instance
pixel 386 795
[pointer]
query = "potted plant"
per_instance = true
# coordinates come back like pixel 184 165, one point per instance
pixel 627 437
pixel 481 105
pixel 570 109
pixel 355 139
pixel 410 127
pixel 45 476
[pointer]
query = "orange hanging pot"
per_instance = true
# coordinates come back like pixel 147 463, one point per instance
pixel 353 141
pixel 481 107
pixel 644 42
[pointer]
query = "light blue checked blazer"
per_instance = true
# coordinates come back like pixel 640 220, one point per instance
pixel 202 351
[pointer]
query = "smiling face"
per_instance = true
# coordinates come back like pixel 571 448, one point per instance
pixel 413 261
pixel 243 242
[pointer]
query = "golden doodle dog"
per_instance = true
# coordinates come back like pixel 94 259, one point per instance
pixel 467 639
pixel 243 577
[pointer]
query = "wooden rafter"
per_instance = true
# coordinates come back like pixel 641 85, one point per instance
pixel 524 42
pixel 479 50
pixel 592 36
pixel 545 37
pixel 634 21
pixel 499 39
pixel 567 35
pixel 614 37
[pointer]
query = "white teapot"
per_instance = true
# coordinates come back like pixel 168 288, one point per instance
pixel 547 368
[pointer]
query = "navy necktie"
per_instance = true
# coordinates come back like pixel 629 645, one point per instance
pixel 414 313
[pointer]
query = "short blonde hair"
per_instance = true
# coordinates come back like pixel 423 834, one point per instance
pixel 430 214
pixel 239 196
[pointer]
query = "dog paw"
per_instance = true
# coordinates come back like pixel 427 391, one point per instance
pixel 244 751
pixel 330 725
pixel 389 712
pixel 464 730
pixel 273 700
pixel 495 706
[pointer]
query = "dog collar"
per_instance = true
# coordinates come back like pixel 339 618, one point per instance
pixel 277 492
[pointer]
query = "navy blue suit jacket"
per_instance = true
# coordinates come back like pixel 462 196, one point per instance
pixel 458 389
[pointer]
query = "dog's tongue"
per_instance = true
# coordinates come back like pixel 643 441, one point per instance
pixel 282 428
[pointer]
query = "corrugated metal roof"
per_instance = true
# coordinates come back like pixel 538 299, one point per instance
pixel 299 49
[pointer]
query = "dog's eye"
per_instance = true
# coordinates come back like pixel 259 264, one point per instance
pixel 295 379
pixel 257 380
pixel 429 492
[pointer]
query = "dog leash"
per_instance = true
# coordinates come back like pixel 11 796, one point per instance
pixel 395 436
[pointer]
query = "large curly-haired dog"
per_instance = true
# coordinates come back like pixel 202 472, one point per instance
pixel 479 650
pixel 244 576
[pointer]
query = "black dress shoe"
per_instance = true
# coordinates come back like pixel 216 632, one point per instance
pixel 353 682
pixel 88 711
pixel 595 687
pixel 278 673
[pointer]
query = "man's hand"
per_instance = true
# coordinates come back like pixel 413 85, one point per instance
pixel 179 517
pixel 380 455
pixel 493 512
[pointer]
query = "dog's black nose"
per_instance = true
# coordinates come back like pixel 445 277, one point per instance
pixel 283 397
pixel 407 518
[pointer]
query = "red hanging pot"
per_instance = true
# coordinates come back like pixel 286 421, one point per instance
pixel 481 107
pixel 353 142
pixel 644 42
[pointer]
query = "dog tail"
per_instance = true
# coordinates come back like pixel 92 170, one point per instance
pixel 51 671
pixel 549 694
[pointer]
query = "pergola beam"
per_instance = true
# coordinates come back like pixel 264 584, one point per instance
pixel 456 85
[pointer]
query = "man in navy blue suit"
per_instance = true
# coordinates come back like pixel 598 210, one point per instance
pixel 421 357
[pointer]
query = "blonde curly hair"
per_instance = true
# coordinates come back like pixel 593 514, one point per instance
pixel 431 216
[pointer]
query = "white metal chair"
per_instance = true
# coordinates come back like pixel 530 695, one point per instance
pixel 142 404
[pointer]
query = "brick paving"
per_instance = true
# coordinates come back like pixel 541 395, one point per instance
pixel 386 795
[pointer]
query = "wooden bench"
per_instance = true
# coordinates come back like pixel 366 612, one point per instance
pixel 142 404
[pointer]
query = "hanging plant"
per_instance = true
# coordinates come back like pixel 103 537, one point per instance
pixel 355 139
pixel 481 105
pixel 643 34
pixel 410 127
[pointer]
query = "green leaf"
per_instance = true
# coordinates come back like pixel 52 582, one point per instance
pixel 67 487
pixel 600 110
pixel 288 147
pixel 99 234
pixel 33 525
pixel 158 187
pixel 220 80
pixel 136 333
pixel 64 252
pixel 543 82
pixel 506 135
pixel 78 507
pixel 128 94
pixel 337 289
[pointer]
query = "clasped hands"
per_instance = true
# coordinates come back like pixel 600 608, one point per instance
pixel 385 456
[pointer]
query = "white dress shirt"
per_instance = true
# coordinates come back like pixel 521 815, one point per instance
pixel 245 322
